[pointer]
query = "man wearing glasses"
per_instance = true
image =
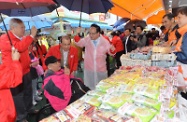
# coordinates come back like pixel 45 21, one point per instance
pixel 96 50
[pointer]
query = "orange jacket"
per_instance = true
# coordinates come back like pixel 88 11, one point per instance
pixel 20 45
pixel 10 76
pixel 72 57
pixel 118 44
pixel 182 31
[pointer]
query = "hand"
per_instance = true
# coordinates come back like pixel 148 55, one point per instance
pixel 135 39
pixel 66 71
pixel 15 55
pixel 35 63
pixel 112 48
pixel 33 31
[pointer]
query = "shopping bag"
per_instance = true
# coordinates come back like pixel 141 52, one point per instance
pixel 182 104
pixel 182 74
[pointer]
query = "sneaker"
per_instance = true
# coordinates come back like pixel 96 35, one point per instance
pixel 37 98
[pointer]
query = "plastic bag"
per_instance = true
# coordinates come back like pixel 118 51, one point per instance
pixel 182 103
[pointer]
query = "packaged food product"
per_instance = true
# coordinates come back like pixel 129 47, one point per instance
pixel 147 101
pixel 96 93
pixel 143 113
pixel 115 100
pixel 103 86
pixel 78 107
pixel 147 91
pixel 92 100
pixel 63 116
pixel 82 118
pixel 50 119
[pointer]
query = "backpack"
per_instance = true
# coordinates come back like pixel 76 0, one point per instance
pixel 78 89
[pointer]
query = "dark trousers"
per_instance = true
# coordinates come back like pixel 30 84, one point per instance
pixel 117 57
pixel 22 96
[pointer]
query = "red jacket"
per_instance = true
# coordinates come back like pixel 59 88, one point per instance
pixel 40 52
pixel 118 44
pixel 10 76
pixel 20 45
pixel 72 57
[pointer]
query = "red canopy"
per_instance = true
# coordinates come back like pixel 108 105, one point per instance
pixel 13 4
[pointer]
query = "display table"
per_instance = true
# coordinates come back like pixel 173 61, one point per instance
pixel 131 94
pixel 150 56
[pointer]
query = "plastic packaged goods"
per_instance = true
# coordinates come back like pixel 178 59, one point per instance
pixel 82 118
pixel 140 56
pixel 129 88
pixel 159 56
pixel 159 49
pixel 147 101
pixel 78 107
pixel 63 116
pixel 103 86
pixel 143 113
pixel 115 100
pixel 50 119
pixel 96 93
pixel 112 116
pixel 147 91
pixel 92 100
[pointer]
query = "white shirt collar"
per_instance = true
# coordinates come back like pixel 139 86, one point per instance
pixel 17 37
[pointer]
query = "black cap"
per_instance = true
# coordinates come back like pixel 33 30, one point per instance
pixel 50 59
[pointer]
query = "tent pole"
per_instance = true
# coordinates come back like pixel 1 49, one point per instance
pixel 81 13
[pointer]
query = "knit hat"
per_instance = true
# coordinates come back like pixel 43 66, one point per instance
pixel 50 59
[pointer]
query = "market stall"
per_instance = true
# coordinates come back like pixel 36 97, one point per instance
pixel 131 94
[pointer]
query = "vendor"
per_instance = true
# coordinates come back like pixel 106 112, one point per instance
pixel 181 50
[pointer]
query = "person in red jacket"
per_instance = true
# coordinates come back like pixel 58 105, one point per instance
pixel 10 77
pixel 118 44
pixel 67 54
pixel 40 51
pixel 22 94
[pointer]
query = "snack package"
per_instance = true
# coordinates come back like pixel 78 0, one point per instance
pixel 142 113
pixel 147 91
pixel 78 107
pixel 96 93
pixel 82 118
pixel 111 116
pixel 63 116
pixel 129 88
pixel 50 119
pixel 103 86
pixel 92 100
pixel 116 99
pixel 147 101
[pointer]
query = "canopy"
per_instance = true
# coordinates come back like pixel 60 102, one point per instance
pixel 136 9
pixel 156 19
pixel 86 24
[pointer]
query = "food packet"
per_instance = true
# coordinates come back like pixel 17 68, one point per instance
pixel 147 91
pixel 92 100
pixel 96 93
pixel 147 101
pixel 103 86
pixel 115 100
pixel 143 113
